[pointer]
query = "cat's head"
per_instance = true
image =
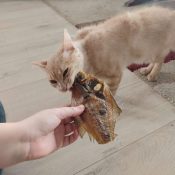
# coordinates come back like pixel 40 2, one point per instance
pixel 64 65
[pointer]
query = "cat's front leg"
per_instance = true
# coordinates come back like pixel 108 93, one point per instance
pixel 111 82
pixel 114 82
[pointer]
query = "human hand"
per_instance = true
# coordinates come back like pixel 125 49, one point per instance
pixel 49 130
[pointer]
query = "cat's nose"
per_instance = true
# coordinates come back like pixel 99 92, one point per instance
pixel 69 87
pixel 66 87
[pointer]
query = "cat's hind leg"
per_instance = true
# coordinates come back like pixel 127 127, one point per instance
pixel 147 70
pixel 157 62
pixel 152 76
pixel 154 68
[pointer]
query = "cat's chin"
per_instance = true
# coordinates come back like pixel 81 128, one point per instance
pixel 63 90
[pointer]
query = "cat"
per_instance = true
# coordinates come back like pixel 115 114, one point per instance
pixel 141 36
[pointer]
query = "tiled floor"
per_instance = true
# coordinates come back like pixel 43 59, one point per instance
pixel 79 12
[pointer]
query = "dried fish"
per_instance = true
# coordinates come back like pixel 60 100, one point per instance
pixel 101 109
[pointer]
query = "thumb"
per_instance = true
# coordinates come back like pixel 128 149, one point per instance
pixel 66 112
pixel 46 121
pixel 51 122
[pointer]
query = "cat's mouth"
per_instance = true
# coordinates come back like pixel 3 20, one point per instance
pixel 63 90
pixel 66 88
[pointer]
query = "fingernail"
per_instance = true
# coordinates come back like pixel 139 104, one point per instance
pixel 81 107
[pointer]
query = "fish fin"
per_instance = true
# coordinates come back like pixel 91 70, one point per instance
pixel 117 109
pixel 91 138
pixel 116 112
pixel 115 135
pixel 81 131
pixel 115 106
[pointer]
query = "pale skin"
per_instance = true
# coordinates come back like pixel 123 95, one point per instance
pixel 38 135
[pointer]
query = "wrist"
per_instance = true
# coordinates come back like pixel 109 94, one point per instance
pixel 23 139
pixel 13 146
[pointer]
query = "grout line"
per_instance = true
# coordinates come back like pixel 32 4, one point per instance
pixel 124 147
pixel 80 25
pixel 57 11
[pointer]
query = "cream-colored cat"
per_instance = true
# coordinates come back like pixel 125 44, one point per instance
pixel 142 36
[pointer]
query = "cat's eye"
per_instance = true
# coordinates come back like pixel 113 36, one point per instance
pixel 65 72
pixel 53 81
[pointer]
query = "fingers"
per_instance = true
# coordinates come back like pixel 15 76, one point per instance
pixel 69 140
pixel 71 137
pixel 67 112
pixel 68 129
pixel 66 133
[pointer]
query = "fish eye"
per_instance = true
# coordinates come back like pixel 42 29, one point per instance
pixel 97 87
pixel 65 72
pixel 53 81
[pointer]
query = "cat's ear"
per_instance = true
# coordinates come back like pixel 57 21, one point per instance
pixel 41 64
pixel 68 43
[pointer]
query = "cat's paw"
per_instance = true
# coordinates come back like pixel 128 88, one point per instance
pixel 151 77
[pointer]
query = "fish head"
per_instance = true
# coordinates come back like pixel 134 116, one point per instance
pixel 89 85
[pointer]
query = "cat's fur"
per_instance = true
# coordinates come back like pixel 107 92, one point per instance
pixel 142 36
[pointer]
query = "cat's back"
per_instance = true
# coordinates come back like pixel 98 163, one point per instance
pixel 153 14
pixel 148 23
pixel 142 16
pixel 128 23
pixel 153 11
